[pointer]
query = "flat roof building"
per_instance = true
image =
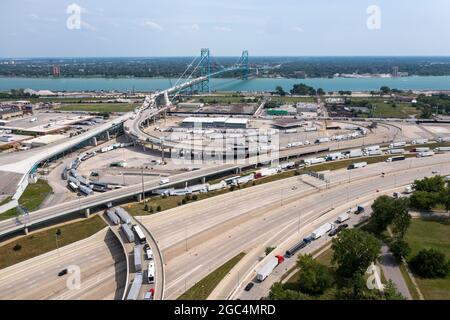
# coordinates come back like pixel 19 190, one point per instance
pixel 215 122
pixel 43 140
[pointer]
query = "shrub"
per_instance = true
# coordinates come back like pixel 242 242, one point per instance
pixel 158 208
pixel 17 247
pixel 430 263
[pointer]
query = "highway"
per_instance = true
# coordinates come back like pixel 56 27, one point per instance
pixel 215 230
pixel 99 257
pixel 11 225
pixel 14 224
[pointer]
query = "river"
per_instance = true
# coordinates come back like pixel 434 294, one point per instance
pixel 257 84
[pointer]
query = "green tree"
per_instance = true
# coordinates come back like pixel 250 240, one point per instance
pixel 430 263
pixel 314 278
pixel 354 287
pixel 400 249
pixel 391 292
pixel 433 184
pixel 386 210
pixel 280 91
pixel 320 92
pixel 354 250
pixel 303 89
pixel 269 250
pixel 424 200
pixel 278 292
pixel 385 90
pixel 401 222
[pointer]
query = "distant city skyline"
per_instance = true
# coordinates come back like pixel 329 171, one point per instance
pixel 32 28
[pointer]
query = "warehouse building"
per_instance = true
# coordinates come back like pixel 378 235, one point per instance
pixel 8 112
pixel 43 140
pixel 215 122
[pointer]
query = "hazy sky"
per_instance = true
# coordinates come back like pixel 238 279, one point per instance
pixel 37 28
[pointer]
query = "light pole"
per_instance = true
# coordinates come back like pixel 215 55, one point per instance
pixel 143 190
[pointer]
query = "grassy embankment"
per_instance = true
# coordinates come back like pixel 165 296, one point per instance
pixel 202 289
pixel 44 241
pixel 31 199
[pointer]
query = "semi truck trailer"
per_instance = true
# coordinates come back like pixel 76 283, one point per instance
pixel 268 268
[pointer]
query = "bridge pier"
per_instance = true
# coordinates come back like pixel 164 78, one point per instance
pixel 94 141
pixel 87 213
pixel 25 230
pixel 139 197
pixel 108 137
pixel 203 180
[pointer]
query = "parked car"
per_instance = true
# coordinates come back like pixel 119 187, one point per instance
pixel 249 286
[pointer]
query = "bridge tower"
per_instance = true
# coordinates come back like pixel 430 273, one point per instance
pixel 205 69
pixel 245 64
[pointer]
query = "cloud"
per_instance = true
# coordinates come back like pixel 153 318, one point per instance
pixel 222 29
pixel 152 25
pixel 87 26
pixel 298 29
pixel 194 27
pixel 34 16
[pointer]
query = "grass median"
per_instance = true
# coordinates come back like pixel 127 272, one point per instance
pixel 202 289
pixel 44 241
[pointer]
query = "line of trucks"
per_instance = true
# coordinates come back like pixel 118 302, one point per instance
pixel 377 150
pixel 78 183
pixel 268 267
pixel 358 133
pixel 134 234
pixel 232 181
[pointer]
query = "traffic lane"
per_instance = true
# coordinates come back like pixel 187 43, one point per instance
pixel 80 204
pixel 261 289
pixel 196 217
pixel 47 283
pixel 217 260
pixel 41 273
pixel 173 226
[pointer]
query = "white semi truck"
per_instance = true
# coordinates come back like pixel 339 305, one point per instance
pixel 268 267
pixel 323 229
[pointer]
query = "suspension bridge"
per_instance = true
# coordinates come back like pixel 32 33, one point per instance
pixel 196 77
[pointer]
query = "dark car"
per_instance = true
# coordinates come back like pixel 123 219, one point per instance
pixel 62 273
pixel 342 227
pixel 249 286
pixel 360 209
pixel 333 232
pixel 146 246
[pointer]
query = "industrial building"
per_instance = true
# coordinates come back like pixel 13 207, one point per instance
pixel 43 140
pixel 288 124
pixel 8 112
pixel 215 122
